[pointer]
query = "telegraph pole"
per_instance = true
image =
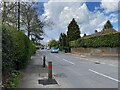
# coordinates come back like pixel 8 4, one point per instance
pixel 19 15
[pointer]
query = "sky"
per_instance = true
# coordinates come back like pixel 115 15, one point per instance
pixel 90 16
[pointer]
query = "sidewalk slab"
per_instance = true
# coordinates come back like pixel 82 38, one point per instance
pixel 35 72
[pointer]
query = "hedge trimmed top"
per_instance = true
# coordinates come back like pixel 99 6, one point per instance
pixel 17 48
pixel 104 40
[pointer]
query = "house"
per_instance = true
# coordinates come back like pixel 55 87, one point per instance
pixel 104 31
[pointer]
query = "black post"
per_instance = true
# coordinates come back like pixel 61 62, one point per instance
pixel 44 61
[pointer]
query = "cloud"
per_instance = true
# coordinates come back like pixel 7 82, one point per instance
pixel 54 9
pixel 113 18
pixel 110 5
pixel 62 13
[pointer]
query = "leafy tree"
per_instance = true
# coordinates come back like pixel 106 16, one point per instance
pixel 63 40
pixel 108 25
pixel 84 35
pixel 73 32
pixel 9 13
pixel 53 43
pixel 96 31
pixel 36 29
pixel 27 15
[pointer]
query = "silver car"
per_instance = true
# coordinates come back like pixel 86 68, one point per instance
pixel 54 50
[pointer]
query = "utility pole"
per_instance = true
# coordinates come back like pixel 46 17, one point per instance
pixel 19 15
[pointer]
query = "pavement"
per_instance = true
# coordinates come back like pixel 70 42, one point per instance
pixel 72 71
pixel 35 72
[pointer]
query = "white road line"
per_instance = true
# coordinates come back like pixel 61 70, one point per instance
pixel 112 65
pixel 104 75
pixel 56 79
pixel 96 61
pixel 103 63
pixel 82 58
pixel 68 61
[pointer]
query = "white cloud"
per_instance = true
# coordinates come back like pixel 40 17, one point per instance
pixel 54 9
pixel 62 13
pixel 113 18
pixel 109 5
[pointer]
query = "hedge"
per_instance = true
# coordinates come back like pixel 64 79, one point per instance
pixel 105 40
pixel 17 49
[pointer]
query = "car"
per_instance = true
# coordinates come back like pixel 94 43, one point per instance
pixel 54 50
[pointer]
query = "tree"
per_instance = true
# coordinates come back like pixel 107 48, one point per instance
pixel 84 35
pixel 36 29
pixel 27 15
pixel 73 32
pixel 53 43
pixel 63 40
pixel 108 25
pixel 9 13
pixel 96 31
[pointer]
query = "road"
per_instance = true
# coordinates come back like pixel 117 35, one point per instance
pixel 72 71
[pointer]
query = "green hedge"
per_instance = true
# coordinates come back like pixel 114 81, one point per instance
pixel 105 40
pixel 74 43
pixel 16 50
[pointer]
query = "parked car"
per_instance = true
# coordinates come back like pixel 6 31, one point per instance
pixel 54 50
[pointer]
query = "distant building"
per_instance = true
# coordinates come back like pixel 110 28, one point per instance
pixel 104 31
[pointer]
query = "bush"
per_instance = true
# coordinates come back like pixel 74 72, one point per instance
pixel 73 43
pixel 106 40
pixel 16 50
pixel 14 80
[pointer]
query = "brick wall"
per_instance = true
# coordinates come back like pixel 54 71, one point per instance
pixel 107 51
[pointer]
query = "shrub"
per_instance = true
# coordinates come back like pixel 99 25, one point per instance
pixel 14 80
pixel 16 50
pixel 73 43
pixel 106 40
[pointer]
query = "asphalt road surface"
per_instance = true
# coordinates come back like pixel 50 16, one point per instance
pixel 76 72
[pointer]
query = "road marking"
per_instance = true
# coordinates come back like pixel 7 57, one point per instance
pixel 81 58
pixel 103 63
pixel 112 65
pixel 104 75
pixel 96 61
pixel 68 61
pixel 84 59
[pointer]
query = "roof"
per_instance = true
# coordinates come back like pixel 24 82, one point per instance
pixel 105 31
